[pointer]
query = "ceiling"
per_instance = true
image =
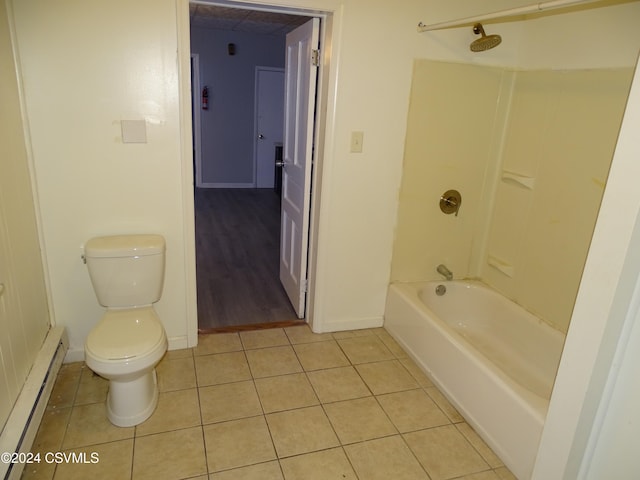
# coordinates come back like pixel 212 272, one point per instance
pixel 227 18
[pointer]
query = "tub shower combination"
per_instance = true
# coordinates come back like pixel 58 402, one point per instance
pixel 492 359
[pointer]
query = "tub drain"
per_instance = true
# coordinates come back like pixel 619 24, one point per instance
pixel 441 290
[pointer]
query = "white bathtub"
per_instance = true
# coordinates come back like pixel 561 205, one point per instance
pixel 493 360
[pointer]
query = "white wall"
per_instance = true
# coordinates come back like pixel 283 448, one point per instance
pixel 87 66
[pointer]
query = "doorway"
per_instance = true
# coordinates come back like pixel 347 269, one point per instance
pixel 237 222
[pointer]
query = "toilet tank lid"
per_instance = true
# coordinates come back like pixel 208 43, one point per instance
pixel 124 246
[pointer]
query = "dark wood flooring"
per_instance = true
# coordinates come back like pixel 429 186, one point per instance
pixel 237 260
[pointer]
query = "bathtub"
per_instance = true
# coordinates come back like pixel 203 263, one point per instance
pixel 492 359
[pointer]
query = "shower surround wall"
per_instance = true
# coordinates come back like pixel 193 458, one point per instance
pixel 530 153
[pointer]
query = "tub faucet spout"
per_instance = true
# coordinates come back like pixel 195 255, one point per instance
pixel 444 271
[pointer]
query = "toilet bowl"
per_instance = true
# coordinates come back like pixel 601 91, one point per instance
pixel 127 272
pixel 124 348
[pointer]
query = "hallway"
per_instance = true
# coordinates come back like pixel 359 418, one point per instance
pixel 237 266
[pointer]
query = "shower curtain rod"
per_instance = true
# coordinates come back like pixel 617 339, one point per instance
pixel 512 12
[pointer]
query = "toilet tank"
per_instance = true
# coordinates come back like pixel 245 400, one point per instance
pixel 126 270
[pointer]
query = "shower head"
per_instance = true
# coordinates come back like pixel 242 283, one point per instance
pixel 486 42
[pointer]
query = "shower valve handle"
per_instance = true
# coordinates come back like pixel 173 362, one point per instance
pixel 450 202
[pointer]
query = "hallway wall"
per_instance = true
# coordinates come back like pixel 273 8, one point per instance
pixel 228 125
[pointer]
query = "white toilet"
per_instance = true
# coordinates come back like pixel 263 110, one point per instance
pixel 127 273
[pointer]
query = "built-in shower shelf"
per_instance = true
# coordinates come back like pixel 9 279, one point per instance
pixel 501 265
pixel 518 179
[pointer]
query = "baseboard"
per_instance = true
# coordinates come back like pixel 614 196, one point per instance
pixel 351 324
pixel 22 425
pixel 227 185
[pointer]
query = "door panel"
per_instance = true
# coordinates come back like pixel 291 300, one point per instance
pixel 300 93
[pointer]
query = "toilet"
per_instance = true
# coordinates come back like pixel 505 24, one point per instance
pixel 127 273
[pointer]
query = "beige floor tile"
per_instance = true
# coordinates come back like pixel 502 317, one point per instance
pixel 338 384
pixel 229 401
pixel 386 377
pixel 271 337
pixel 412 410
pixel 364 332
pixel 238 443
pixel 301 431
pixel 365 349
pixel 170 455
pixel 269 362
pixel 218 343
pixel 324 465
pixel 483 449
pixel 176 374
pixel 38 471
pixel 445 453
pixel 175 410
pixel 285 392
pixel 359 420
pixel 444 404
pixel 242 443
pixel 303 334
pixel 416 372
pixel 384 459
pixel 505 474
pixel 64 390
pixel 320 355
pixel 88 425
pixel 390 343
pixel 222 368
pixel 51 431
pixel 180 353
pixel 92 388
pixel 111 461
pixel 488 475
pixel 262 471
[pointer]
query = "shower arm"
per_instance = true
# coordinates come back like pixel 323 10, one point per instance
pixel 512 12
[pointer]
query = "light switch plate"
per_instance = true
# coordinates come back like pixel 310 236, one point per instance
pixel 356 142
pixel 134 131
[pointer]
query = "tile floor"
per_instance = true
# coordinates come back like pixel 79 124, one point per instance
pixel 279 404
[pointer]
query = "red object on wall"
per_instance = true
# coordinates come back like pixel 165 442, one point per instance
pixel 205 98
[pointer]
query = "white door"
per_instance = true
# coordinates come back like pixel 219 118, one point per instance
pixel 269 112
pixel 299 109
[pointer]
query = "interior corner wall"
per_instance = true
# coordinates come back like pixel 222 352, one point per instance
pixel 454 117
pixel 544 183
pixel 227 127
pixel 559 142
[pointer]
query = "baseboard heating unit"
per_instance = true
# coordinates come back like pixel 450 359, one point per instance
pixel 22 425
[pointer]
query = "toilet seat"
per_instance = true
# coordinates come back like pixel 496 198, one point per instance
pixel 124 334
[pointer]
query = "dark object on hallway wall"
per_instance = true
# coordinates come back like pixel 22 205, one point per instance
pixel 231 48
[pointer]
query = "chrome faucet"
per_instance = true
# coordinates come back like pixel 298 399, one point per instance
pixel 445 272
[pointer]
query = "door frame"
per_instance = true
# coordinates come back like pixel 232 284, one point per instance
pixel 330 13
pixel 256 102
pixel 196 117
